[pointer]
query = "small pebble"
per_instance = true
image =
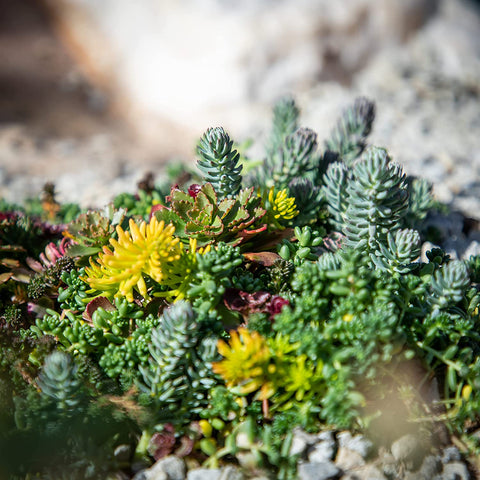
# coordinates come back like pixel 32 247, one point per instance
pixel 358 443
pixel 408 449
pixel 148 475
pixel 451 454
pixel 457 469
pixel 348 459
pixel 431 465
pixel 317 471
pixel 367 472
pixel 325 450
pixel 231 473
pixel 173 467
pixel 204 474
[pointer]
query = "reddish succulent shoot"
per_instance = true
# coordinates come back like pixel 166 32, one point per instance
pixel 258 302
pixel 193 189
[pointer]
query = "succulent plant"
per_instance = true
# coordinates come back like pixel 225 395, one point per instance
pixel 144 251
pixel 59 380
pixel 219 162
pixel 200 215
pixel 92 230
pixel 348 137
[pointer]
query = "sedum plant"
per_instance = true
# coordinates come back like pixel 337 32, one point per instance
pixel 207 320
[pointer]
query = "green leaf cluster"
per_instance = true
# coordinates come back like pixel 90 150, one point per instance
pixel 254 322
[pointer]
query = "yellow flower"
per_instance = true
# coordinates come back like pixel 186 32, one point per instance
pixel 178 275
pixel 144 250
pixel 246 362
pixel 466 392
pixel 282 206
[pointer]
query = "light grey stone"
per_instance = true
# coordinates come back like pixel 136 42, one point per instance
pixel 204 474
pixel 431 465
pixel 406 448
pixel 172 466
pixel 413 476
pixel 367 472
pixel 357 443
pixel 299 446
pixel 301 441
pixel 323 451
pixel 348 459
pixel 318 471
pixel 457 469
pixel 150 475
pixel 451 454
pixel 231 473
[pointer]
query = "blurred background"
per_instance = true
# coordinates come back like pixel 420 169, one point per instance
pixel 94 94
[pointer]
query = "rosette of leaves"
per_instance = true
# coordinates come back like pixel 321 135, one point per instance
pixel 377 199
pixel 178 374
pixel 281 207
pixel 59 380
pixel 145 251
pixel 284 123
pixel 400 251
pixel 270 369
pixel 335 191
pixel 420 201
pixel 449 284
pixel 219 162
pixel 309 200
pixel 48 270
pixel 348 138
pixel 296 158
pixel 92 230
pixel 200 215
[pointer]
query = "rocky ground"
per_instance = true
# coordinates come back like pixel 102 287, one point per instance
pixel 334 456
pixel 422 68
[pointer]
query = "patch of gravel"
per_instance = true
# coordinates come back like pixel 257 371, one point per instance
pixel 353 457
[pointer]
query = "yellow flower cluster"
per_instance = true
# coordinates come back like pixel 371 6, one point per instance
pixel 246 362
pixel 146 249
pixel 269 367
pixel 281 205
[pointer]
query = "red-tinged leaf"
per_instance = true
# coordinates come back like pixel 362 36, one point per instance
pixel 185 448
pixel 162 444
pixel 182 208
pixel 210 193
pixel 35 265
pixel 193 189
pixel 276 305
pixel 156 208
pixel 97 302
pixel 5 277
pixel 245 195
pixel 177 195
pixel 271 240
pixel 267 259
pixel 21 275
pixel 11 248
pixel 225 207
pixel 246 303
pixel 9 262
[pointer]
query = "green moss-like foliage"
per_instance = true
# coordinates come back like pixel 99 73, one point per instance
pixel 285 290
